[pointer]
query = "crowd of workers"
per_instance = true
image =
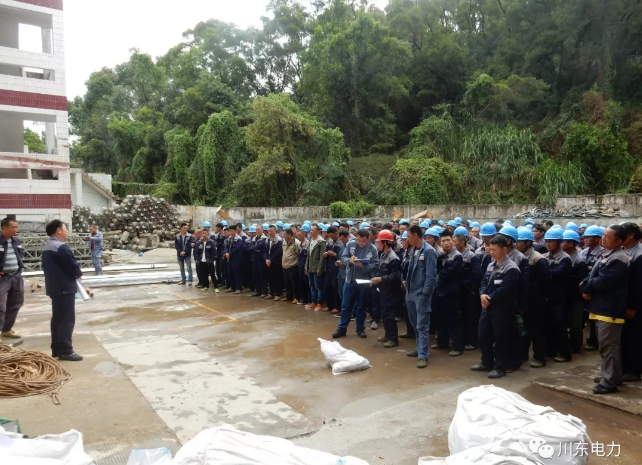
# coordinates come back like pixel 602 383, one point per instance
pixel 494 287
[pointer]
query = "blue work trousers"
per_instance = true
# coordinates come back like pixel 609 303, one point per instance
pixel 184 262
pixel 353 293
pixel 419 315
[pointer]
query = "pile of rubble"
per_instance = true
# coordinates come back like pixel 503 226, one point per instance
pixel 577 211
pixel 139 222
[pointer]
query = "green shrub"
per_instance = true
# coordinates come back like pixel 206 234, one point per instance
pixel 123 189
pixel 361 208
pixel 341 210
pixel 165 190
pixel 635 186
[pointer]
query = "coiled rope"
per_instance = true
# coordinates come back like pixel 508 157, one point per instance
pixel 29 373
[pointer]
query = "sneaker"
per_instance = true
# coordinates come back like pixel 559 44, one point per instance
pixel 362 334
pixel 10 335
pixel 339 333
pixel 295 301
pixel 72 357
pixel 189 283
pixel 495 374
pixel 455 353
pixel 589 347
pixel 216 290
pixel 422 362
pixel 434 346
pixel 264 296
pixel 227 291
pixel 562 359
pixel 337 315
pixel 599 389
pixel 470 347
pixel 310 307
pixel 318 308
pixel 382 339
pixel 205 289
pixel 537 364
pixel 397 319
pixel 181 282
pixel 479 367
pixel 198 286
pixel 237 292
pixel 369 320
pixel 406 336
pixel 301 303
pixel 353 318
pixel 325 309
pixel 276 299
pixel 334 311
pixel 390 344
pixel 256 294
pixel 374 325
pixel 627 378
pixel 412 354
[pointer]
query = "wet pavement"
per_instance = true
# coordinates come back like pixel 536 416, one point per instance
pixel 185 360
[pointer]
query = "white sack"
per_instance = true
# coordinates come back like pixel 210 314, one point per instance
pixel 487 414
pixel 51 449
pixel 225 445
pixel 342 360
pixel 497 453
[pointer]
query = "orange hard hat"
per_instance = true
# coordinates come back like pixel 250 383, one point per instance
pixel 385 235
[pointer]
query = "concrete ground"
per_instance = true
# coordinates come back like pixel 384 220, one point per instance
pixel 164 362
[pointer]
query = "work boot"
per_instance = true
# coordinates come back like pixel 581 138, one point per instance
pixel 599 389
pixel 537 364
pixel 72 357
pixel 495 374
pixel 362 334
pixel 382 339
pixel 374 325
pixel 11 335
pixel 310 307
pixel 339 333
pixel 318 308
pixel 406 336
pixel 479 367
pixel 412 354
pixel 562 359
pixel 627 378
pixel 455 353
pixel 422 362
pixel 470 347
pixel 390 344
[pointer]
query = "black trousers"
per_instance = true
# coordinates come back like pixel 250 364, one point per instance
pixel 535 320
pixel 207 270
pixel 632 346
pixel 331 291
pixel 234 275
pixel 304 286
pixel 275 279
pixel 450 320
pixel 471 311
pixel 557 341
pixel 497 333
pixel 246 271
pixel 63 320
pixel 410 329
pixel 259 278
pixel 219 270
pixel 388 316
pixel 290 277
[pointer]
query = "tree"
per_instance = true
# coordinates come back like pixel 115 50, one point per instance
pixel 35 143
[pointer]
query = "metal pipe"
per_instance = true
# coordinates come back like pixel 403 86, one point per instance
pixel 131 279
pixel 107 269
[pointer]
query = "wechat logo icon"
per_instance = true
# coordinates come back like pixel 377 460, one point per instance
pixel 538 446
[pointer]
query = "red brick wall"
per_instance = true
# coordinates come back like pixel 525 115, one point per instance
pixel 35 201
pixel 56 4
pixel 33 100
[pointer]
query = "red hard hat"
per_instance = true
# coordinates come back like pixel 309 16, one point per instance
pixel 385 235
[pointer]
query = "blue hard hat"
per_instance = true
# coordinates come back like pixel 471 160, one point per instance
pixel 336 223
pixel 557 226
pixel 243 227
pixel 252 228
pixel 525 234
pixel 350 223
pixel 432 232
pixel 207 224
pixel 554 234
pixel 593 231
pixel 509 231
pixel 452 223
pixel 404 235
pixel 475 224
pixel 457 220
pixel 224 223
pixel 439 229
pixel 364 225
pixel 424 224
pixel 570 235
pixel 305 227
pixel 508 223
pixel 488 229
pixel 307 222
pixel 572 226
pixel 528 226
pixel 583 226
pixel 440 222
pixel 324 227
pixel 265 226
pixel 461 230
pixel 287 226
pixel 404 221
pixel 529 221
pixel 279 224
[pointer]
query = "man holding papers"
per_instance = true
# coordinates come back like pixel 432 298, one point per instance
pixel 361 260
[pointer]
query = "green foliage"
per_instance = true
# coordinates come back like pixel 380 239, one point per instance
pixel 555 178
pixel 180 153
pixel 165 190
pixel 341 210
pixel 352 209
pixel 635 186
pixel 35 143
pixel 123 189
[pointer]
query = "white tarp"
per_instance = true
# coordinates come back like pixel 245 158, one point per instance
pixel 488 414
pixel 497 453
pixel 50 449
pixel 342 360
pixel 225 445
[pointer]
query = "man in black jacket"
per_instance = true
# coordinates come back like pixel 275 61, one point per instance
pixel 387 282
pixel 606 291
pixel 61 272
pixel 12 294
pixel 632 331
pixel 471 276
pixel 274 256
